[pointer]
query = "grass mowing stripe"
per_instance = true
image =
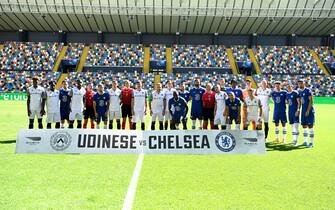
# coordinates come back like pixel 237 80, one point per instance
pixel 129 199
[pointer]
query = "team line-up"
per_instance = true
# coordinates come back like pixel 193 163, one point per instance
pixel 215 107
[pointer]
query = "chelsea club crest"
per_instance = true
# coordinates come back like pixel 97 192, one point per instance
pixel 225 141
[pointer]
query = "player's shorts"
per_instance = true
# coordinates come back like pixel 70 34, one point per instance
pixel 64 114
pixel 279 117
pixel 101 117
pixel 158 115
pixel 126 110
pixel 138 117
pixel 208 114
pixel 196 113
pixel 35 113
pixel 114 115
pixel 167 115
pixel 265 114
pixel 252 118
pixel 233 118
pixel 219 119
pixel 292 118
pixel 76 115
pixel 309 120
pixel 89 112
pixel 53 117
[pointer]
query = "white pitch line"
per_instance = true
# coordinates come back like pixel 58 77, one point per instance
pixel 129 199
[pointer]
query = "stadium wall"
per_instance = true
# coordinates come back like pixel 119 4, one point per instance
pixel 167 39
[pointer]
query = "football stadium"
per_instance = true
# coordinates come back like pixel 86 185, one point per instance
pixel 167 104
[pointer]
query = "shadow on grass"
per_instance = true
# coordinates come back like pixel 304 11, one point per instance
pixel 270 146
pixel 8 142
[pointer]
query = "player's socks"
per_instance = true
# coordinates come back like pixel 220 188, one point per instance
pixel 40 125
pixel 176 126
pixel 277 133
pixel 78 123
pixel 212 125
pixel 200 124
pixel 105 126
pixel 118 124
pixel 166 124
pixel 62 125
pixel 237 127
pixel 161 126
pixel 229 127
pixel 296 125
pixel 223 127
pixel 153 125
pixel 57 126
pixel 284 134
pixel 98 126
pixel 294 134
pixel 71 124
pixel 31 123
pixel 85 123
pixel 92 124
pixel 142 126
pixel 193 124
pixel 311 135
pixel 184 125
pixel 205 125
pixel 133 126
pixel 305 135
pixel 266 129
pixel 111 124
pixel 48 125
pixel 216 127
pixel 123 124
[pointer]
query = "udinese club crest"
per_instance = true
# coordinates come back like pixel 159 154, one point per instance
pixel 60 141
pixel 225 141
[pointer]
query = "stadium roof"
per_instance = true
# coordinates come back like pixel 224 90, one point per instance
pixel 302 17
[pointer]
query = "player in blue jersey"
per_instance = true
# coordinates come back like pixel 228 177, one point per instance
pixel 233 111
pixel 196 109
pixel 279 114
pixel 101 105
pixel 293 100
pixel 236 90
pixel 65 101
pixel 307 113
pixel 185 95
pixel 178 109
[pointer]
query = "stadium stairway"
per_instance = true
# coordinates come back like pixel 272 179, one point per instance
pixel 169 60
pixel 232 61
pixel 254 61
pixel 146 61
pixel 83 59
pixel 60 57
pixel 60 80
pixel 254 84
pixel 316 57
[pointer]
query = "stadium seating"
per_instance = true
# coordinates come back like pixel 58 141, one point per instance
pixel 325 54
pixel 321 85
pixel 200 56
pixel 157 52
pixel 29 55
pixel 240 53
pixel 112 55
pixel 74 51
pixel 286 60
pixel 19 81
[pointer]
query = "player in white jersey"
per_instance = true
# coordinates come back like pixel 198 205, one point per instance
pixel 219 109
pixel 53 111
pixel 139 105
pixel 77 104
pixel 114 105
pixel 157 106
pixel 168 91
pixel 264 94
pixel 35 104
pixel 254 110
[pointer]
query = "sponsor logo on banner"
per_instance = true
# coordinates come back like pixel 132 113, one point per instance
pixel 32 140
pixel 60 140
pixel 225 141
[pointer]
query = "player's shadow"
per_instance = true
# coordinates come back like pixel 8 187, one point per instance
pixel 8 142
pixel 270 146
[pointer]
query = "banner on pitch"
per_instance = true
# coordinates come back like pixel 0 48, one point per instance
pixel 13 97
pixel 95 141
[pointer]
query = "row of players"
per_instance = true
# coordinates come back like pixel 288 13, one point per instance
pixel 218 105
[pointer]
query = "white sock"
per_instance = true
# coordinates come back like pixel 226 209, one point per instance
pixel 284 133
pixel 296 129
pixel 98 126
pixel 105 126
pixel 193 124
pixel 228 127
pixel 305 135
pixel 177 126
pixel 293 132
pixel 311 135
pixel 200 124
pixel 277 132
pixel 237 127
pixel 62 126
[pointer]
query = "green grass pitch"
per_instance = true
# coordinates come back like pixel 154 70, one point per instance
pixel 284 178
